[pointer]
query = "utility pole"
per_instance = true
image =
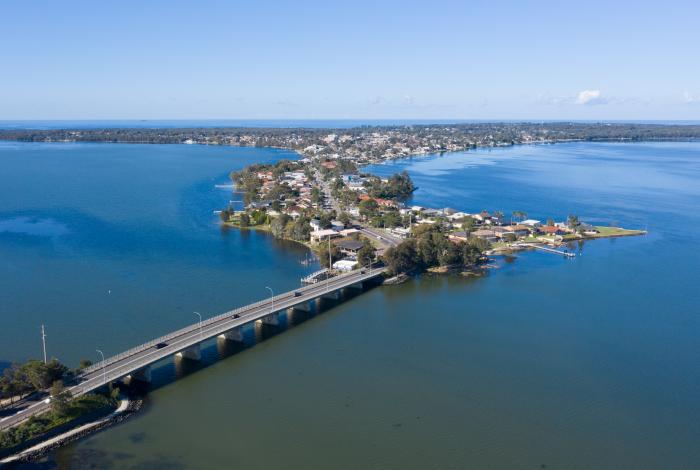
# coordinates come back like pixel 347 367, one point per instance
pixel 43 342
pixel 330 264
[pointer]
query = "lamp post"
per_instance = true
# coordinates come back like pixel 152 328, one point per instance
pixel 104 373
pixel 272 296
pixel 200 323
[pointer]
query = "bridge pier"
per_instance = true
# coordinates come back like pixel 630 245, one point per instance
pixel 271 319
pixel 141 375
pixel 235 334
pixel 333 295
pixel 304 306
pixel 193 353
pixel 358 286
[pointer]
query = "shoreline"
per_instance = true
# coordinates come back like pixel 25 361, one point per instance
pixel 126 409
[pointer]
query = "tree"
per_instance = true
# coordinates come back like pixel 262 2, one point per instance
pixel 550 222
pixel 41 375
pixel 301 229
pixel 323 257
pixel 403 258
pixel 225 215
pixel 391 219
pixel 344 217
pixel 450 255
pixel 573 221
pixel 278 225
pixel 366 254
pixel 84 364
pixel 368 208
pixel 60 398
pixel 244 220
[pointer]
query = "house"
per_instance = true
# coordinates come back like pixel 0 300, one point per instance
pixel 458 237
pixel 552 230
pixel 321 235
pixel 400 232
pixel 488 235
pixel 348 231
pixel 349 246
pixel 337 225
pixel 315 224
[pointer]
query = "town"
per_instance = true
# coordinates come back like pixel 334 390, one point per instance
pixel 350 219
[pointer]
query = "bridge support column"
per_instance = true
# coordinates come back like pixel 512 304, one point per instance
pixel 193 353
pixel 141 375
pixel 271 319
pixel 304 306
pixel 235 334
pixel 333 295
pixel 357 285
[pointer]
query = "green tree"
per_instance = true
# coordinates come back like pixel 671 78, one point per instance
pixel 323 257
pixel 368 208
pixel 244 220
pixel 403 258
pixel 367 253
pixel 573 221
pixel 60 398
pixel 278 225
pixel 41 375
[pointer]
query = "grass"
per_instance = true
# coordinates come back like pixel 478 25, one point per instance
pixel 37 425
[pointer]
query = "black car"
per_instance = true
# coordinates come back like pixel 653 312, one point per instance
pixel 161 345
pixel 297 293
pixel 235 315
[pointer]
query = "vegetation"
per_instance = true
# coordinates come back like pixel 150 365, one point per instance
pixel 21 379
pixel 399 186
pixel 64 412
pixel 431 248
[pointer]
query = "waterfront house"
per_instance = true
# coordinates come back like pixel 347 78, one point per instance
pixel 488 235
pixel 315 224
pixel 322 235
pixel 349 246
pixel 458 237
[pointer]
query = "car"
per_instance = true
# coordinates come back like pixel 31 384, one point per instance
pixel 297 293
pixel 161 345
pixel 235 315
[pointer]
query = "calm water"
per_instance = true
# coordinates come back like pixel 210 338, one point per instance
pixel 546 363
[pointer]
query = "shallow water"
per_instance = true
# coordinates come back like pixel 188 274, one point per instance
pixel 545 363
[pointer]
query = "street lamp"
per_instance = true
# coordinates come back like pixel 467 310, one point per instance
pixel 200 324
pixel 104 373
pixel 272 295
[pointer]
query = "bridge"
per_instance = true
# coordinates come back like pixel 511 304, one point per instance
pixel 135 363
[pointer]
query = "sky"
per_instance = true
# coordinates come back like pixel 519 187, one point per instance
pixel 611 60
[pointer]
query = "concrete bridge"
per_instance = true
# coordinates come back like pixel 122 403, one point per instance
pixel 135 363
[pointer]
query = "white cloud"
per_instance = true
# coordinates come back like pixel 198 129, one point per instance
pixel 590 97
pixel 689 98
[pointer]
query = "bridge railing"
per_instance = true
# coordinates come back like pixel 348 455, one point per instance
pixel 190 328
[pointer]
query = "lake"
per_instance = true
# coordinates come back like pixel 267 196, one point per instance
pixel 544 363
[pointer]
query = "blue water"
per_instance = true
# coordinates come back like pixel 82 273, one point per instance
pixel 544 363
pixel 109 245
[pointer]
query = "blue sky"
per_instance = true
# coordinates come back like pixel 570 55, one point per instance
pixel 374 60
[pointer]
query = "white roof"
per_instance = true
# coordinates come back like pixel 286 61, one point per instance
pixel 530 222
pixel 345 263
pixel 323 233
